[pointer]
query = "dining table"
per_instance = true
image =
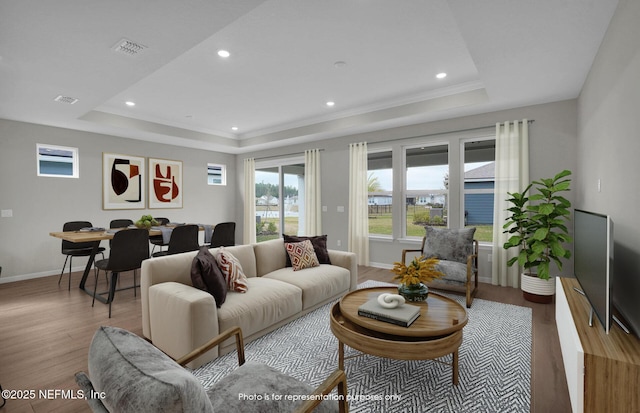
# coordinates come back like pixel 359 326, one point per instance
pixel 95 236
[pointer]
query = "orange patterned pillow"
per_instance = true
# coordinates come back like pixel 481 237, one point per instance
pixel 232 271
pixel 302 255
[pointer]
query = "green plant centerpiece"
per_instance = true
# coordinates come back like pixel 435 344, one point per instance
pixel 413 276
pixel 146 221
pixel 537 225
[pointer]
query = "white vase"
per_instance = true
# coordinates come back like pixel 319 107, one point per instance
pixel 536 289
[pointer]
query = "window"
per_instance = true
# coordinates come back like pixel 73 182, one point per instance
pixel 279 199
pixel 58 161
pixel 380 183
pixel 216 174
pixel 479 180
pixel 426 187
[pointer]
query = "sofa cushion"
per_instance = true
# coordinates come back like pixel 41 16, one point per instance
pixel 265 303
pixel 301 255
pixel 270 256
pixel 319 245
pixel 232 271
pixel 449 244
pixel 232 393
pixel 317 284
pixel 137 377
pixel 244 254
pixel 206 276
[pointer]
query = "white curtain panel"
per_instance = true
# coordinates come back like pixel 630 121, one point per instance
pixel 511 175
pixel 358 204
pixel 249 232
pixel 312 189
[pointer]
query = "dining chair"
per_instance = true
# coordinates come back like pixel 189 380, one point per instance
pixel 76 249
pixel 224 235
pixel 183 238
pixel 119 223
pixel 158 240
pixel 128 249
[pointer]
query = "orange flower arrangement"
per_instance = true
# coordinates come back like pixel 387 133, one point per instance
pixel 419 270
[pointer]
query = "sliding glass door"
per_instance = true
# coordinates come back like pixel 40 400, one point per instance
pixel 279 199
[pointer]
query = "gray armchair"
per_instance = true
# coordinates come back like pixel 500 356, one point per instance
pixel 458 254
pixel 128 374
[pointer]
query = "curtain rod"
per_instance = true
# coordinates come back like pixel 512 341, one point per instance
pixel 284 155
pixel 529 121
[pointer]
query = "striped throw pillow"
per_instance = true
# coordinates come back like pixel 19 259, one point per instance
pixel 232 271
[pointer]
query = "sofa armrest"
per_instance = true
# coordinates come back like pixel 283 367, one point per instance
pixel 182 318
pixel 346 260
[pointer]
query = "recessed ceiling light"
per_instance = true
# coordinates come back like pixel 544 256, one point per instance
pixel 340 63
pixel 330 103
pixel 441 75
pixel 223 53
pixel 129 103
pixel 234 128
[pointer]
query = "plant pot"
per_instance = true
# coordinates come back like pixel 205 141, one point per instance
pixel 536 289
pixel 414 292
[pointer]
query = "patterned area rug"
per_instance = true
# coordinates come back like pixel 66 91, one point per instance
pixel 495 364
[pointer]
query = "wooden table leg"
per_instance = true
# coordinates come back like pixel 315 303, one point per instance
pixel 454 366
pixel 340 355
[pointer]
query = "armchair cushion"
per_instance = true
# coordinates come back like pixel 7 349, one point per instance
pixel 455 272
pixel 137 377
pixel 449 244
pixel 244 390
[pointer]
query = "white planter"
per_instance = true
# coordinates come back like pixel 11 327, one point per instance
pixel 536 289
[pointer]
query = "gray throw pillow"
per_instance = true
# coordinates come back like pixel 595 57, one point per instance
pixel 134 376
pixel 206 276
pixel 449 244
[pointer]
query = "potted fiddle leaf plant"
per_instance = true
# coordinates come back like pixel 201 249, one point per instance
pixel 537 225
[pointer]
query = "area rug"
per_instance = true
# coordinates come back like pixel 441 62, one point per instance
pixel 495 364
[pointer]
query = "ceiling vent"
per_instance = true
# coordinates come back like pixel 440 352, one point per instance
pixel 129 48
pixel 66 99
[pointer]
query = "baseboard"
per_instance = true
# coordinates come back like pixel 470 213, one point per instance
pixel 22 277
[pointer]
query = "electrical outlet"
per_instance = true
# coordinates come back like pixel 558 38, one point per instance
pixel 6 213
pixel 339 243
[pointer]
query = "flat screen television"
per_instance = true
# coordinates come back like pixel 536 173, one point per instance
pixel 593 261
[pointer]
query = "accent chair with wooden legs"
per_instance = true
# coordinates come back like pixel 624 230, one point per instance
pixel 457 251
pixel 128 374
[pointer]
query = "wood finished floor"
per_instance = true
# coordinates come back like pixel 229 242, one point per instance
pixel 45 332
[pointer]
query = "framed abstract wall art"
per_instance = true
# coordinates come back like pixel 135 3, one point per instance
pixel 165 183
pixel 123 181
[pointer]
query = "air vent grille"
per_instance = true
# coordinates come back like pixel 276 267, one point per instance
pixel 66 99
pixel 128 47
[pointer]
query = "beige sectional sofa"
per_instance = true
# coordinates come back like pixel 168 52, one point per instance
pixel 177 317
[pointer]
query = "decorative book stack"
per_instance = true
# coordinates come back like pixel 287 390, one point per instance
pixel 403 315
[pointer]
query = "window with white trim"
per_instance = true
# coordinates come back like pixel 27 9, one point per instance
pixel 216 174
pixel 57 161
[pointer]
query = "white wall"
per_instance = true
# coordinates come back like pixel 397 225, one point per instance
pixel 553 138
pixel 42 204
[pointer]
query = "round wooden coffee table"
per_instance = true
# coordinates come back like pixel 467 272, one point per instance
pixel 435 333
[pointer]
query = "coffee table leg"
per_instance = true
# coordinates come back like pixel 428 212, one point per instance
pixel 340 355
pixel 454 366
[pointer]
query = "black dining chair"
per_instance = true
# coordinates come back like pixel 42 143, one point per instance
pixel 76 249
pixel 128 249
pixel 119 223
pixel 224 235
pixel 158 240
pixel 183 238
